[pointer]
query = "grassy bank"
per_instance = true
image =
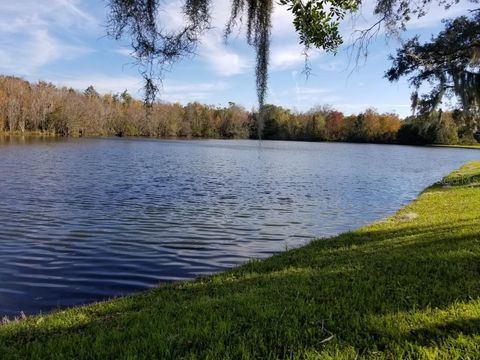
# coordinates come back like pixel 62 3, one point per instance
pixel 476 146
pixel 406 287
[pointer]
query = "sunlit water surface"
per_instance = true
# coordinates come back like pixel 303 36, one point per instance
pixel 84 220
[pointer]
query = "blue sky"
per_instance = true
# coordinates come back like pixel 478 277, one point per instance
pixel 64 42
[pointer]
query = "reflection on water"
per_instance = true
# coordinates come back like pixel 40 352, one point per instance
pixel 27 139
pixel 83 220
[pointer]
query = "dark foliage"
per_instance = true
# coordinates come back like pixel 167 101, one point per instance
pixel 450 63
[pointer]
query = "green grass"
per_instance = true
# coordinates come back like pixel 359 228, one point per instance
pixel 407 287
pixel 475 146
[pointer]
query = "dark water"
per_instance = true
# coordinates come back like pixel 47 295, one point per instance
pixel 83 220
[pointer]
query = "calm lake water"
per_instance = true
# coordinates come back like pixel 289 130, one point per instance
pixel 84 220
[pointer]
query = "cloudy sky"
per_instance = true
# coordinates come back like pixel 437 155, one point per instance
pixel 64 42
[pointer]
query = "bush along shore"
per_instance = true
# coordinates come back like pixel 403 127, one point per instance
pixel 402 288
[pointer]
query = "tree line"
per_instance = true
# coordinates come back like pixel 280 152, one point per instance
pixel 47 109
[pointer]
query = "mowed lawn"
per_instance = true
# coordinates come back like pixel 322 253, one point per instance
pixel 474 146
pixel 406 287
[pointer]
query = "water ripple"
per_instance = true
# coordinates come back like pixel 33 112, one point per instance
pixel 84 220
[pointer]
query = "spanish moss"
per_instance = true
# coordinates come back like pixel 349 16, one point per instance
pixel 156 49
pixel 259 23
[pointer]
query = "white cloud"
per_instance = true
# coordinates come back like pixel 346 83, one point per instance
pixel 222 61
pixel 355 108
pixel 171 15
pixel 176 87
pixel 104 84
pixel 291 56
pixel 37 49
pixel 124 51
pixel 282 22
pixel 29 33
pixel 310 94
pixel 221 58
pixel 310 91
pixel 172 91
pixel 283 57
pixel 35 13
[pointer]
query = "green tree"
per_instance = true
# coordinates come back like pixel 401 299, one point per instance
pixel 437 127
pixel 315 127
pixel 450 62
pixel 446 130
pixel 276 123
pixel 91 92
pixel 56 122
pixel 334 125
pixel 126 98
pixel 468 126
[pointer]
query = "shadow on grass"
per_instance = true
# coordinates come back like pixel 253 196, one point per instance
pixel 458 179
pixel 434 334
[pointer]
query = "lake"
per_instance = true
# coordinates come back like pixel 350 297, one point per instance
pixel 88 219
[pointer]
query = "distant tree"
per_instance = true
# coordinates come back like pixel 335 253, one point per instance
pixel 437 127
pixel 234 122
pixel 389 124
pixel 126 98
pixel 276 123
pixel 409 134
pixel 371 126
pixel 56 122
pixel 91 92
pixel 446 131
pixel 315 127
pixel 46 108
pixel 3 120
pixel 468 126
pixel 334 125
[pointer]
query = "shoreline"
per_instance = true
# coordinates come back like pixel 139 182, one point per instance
pixel 47 135
pixel 472 147
pixel 405 286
